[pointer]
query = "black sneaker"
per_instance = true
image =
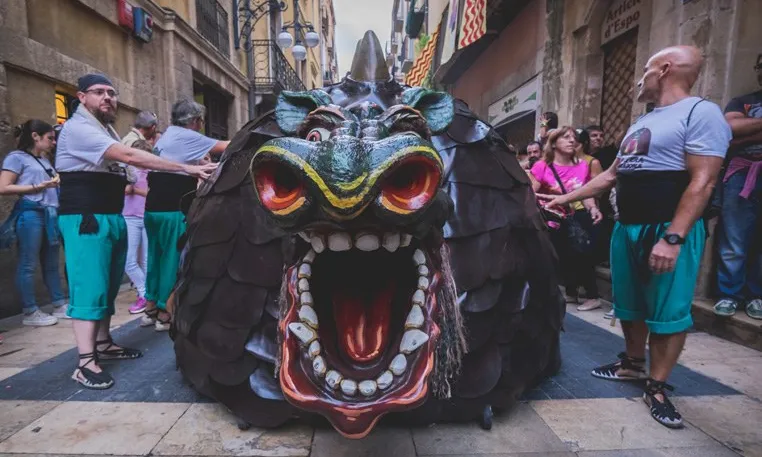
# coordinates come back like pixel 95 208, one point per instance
pixel 625 362
pixel 663 412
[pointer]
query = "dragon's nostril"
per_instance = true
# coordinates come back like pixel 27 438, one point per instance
pixel 410 186
pixel 279 188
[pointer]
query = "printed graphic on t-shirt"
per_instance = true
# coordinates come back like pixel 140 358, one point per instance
pixel 634 148
pixel 753 110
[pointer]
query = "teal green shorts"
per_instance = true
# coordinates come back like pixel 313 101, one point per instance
pixel 663 301
pixel 164 229
pixel 94 264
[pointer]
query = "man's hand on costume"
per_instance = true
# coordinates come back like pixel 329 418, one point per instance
pixel 596 215
pixel 663 257
pixel 201 171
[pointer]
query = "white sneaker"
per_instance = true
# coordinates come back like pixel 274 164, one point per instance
pixel 39 319
pixel 609 315
pixel 60 312
pixel 159 327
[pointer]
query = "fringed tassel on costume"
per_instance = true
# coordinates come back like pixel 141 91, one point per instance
pixel 89 225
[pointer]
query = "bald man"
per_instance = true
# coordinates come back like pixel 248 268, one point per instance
pixel 664 174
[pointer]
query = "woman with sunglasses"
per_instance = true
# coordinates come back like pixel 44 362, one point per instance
pixel 27 172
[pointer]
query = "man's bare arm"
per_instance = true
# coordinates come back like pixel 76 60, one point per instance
pixel 703 171
pixel 142 159
pixel 743 126
pixel 746 140
pixel 598 185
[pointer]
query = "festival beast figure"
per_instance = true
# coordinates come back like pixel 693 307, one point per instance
pixel 367 249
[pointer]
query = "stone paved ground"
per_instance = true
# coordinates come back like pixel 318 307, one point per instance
pixel 152 412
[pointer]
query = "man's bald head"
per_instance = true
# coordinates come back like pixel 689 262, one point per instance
pixel 672 67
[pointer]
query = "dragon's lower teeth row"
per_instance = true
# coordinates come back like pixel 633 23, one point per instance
pixel 306 332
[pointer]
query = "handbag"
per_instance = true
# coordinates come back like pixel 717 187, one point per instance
pixel 577 234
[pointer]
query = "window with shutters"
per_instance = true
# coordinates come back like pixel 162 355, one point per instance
pixel 618 84
pixel 212 24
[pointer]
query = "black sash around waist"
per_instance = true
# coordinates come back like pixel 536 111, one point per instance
pixel 88 192
pixel 166 190
pixel 649 197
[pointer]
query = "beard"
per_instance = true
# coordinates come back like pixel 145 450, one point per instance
pixel 105 117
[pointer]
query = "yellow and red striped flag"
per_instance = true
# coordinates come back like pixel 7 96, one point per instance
pixel 422 64
pixel 474 23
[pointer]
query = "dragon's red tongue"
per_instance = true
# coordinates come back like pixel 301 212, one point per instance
pixel 362 321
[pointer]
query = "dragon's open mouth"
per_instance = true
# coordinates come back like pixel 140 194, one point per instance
pixel 359 333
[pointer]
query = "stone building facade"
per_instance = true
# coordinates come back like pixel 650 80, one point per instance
pixel 582 59
pixel 47 45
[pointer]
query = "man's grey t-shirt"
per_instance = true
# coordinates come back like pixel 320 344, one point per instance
pixel 82 144
pixel 182 145
pixel 659 140
pixel 30 172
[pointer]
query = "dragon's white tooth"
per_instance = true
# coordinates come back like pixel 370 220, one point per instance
pixel 368 388
pixel 332 379
pixel 385 380
pixel 414 317
pixel 418 297
pixel 391 241
pixel 304 236
pixel 349 387
pixel 411 340
pixel 419 257
pixel 306 299
pixel 339 241
pixel 309 257
pixel 423 282
pixel 405 240
pixel 398 364
pixel 367 242
pixel 423 270
pixel 305 334
pixel 308 316
pixel 305 271
pixel 318 366
pixel 318 243
pixel 303 285
pixel 314 349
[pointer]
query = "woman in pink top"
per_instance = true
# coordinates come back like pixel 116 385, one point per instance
pixel 578 268
pixel 137 239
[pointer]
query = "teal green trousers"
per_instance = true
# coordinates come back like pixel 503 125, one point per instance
pixel 164 230
pixel 94 264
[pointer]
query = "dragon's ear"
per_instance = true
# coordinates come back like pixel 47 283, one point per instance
pixel 293 107
pixel 438 108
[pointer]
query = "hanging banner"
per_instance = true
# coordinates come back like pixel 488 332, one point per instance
pixel 623 15
pixel 422 64
pixel 522 100
pixel 474 24
pixel 450 32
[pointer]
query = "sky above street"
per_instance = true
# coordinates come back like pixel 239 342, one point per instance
pixel 353 19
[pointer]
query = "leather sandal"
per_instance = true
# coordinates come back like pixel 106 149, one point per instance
pixel 625 362
pixel 664 412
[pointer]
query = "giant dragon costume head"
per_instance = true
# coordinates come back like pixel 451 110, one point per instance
pixel 377 282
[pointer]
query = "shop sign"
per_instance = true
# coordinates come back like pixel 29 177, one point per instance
pixel 522 100
pixel 623 15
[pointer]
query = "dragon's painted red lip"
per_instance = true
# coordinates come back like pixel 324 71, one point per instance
pixel 326 373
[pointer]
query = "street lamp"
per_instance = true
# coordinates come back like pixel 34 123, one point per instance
pixel 311 38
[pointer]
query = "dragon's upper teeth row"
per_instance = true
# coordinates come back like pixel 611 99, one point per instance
pixel 364 241
pixel 306 331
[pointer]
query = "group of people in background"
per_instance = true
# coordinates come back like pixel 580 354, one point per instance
pixel 114 205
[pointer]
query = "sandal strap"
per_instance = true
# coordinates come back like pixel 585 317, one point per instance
pixel 654 387
pixel 91 357
pixel 153 313
pixel 630 363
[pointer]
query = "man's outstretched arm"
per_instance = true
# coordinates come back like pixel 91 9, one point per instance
pixel 598 185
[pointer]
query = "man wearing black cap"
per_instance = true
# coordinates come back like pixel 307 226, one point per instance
pixel 90 161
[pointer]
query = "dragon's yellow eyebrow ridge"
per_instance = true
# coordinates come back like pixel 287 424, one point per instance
pixel 344 203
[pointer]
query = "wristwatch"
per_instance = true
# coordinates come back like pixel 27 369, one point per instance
pixel 674 239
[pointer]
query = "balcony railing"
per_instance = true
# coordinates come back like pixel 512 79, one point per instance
pixel 272 72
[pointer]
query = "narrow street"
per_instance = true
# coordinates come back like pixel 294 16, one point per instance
pixel 151 411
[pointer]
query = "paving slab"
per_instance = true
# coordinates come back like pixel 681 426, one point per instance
pixel 382 442
pixel 613 424
pixel 210 430
pixel 96 428
pixel 735 421
pixel 519 430
pixel 15 415
pixel 515 454
pixel 744 374
pixel 704 451
pixel 7 372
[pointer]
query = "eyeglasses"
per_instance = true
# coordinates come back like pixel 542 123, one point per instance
pixel 102 92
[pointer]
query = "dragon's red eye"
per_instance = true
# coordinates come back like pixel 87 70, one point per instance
pixel 410 186
pixel 280 189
